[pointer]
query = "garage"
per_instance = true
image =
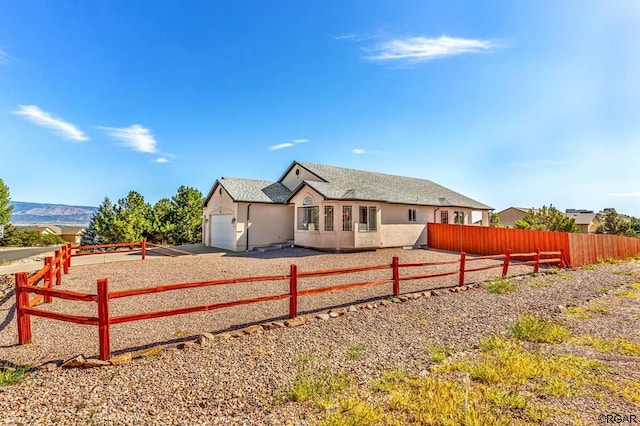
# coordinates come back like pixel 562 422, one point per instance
pixel 223 232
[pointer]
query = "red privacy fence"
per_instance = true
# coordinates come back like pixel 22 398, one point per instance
pixel 103 319
pixel 580 249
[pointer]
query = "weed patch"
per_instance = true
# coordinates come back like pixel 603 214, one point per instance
pixel 539 330
pixel 354 351
pixel 500 285
pixel 438 353
pixel 586 311
pixel 619 345
pixel 11 376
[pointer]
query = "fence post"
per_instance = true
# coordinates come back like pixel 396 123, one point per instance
pixel 463 258
pixel 536 265
pixel 103 319
pixel 69 252
pixel 59 267
pixel 563 260
pixel 143 244
pixel 65 260
pixel 507 259
pixel 48 276
pixel 22 300
pixel 293 291
pixel 396 276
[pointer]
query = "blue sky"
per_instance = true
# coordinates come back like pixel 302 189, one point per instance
pixel 511 103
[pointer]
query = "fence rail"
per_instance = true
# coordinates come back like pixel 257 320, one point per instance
pixel 103 320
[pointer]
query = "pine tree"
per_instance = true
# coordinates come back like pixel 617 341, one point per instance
pixel 5 207
pixel 614 224
pixel 547 219
pixel 186 216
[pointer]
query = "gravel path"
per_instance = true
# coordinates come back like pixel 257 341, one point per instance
pixel 242 380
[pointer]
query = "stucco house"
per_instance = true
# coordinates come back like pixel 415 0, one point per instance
pixel 331 208
pixel 510 215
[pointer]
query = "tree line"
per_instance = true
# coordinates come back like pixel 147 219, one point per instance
pixel 175 220
pixel 552 219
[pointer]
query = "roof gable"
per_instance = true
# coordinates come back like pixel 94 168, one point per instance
pixel 254 191
pixel 350 184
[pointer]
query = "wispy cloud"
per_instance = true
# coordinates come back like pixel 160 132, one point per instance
pixel 136 137
pixel 420 49
pixel 358 151
pixel 44 119
pixel 625 194
pixel 4 57
pixel 161 160
pixel 287 144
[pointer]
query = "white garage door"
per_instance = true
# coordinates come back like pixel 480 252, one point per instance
pixel 223 232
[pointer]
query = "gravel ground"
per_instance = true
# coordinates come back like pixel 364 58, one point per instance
pixel 242 380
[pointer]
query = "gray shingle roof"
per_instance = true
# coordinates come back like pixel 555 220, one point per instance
pixel 351 184
pixel 255 191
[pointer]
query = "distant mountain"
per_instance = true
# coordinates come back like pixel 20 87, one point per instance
pixel 50 214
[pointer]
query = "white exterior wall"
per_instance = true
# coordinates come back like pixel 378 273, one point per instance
pixel 398 231
pixel 219 203
pixel 267 224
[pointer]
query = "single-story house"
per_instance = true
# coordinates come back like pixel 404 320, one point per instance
pixel 73 234
pixel 587 220
pixel 330 208
pixel 45 229
pixel 509 216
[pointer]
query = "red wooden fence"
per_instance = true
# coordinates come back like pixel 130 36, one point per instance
pixel 579 249
pixel 25 308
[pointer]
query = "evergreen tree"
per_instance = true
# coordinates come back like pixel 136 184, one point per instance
pixel 5 207
pixel 161 226
pixel 494 221
pixel 547 219
pixel 614 224
pixel 102 222
pixel 132 218
pixel 91 237
pixel 186 216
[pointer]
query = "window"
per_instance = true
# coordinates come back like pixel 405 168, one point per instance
pixel 328 218
pixel 308 218
pixel 367 221
pixel 458 217
pixel 412 215
pixel 444 216
pixel 346 218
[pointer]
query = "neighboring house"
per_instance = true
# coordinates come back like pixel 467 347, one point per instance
pixel 73 234
pixel 587 221
pixel 509 216
pixel 332 208
pixel 45 229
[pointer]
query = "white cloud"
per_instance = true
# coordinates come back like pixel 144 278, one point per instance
pixel 4 57
pixel 625 194
pixel 136 137
pixel 358 151
pixel 287 144
pixel 44 119
pixel 280 146
pixel 161 160
pixel 419 49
